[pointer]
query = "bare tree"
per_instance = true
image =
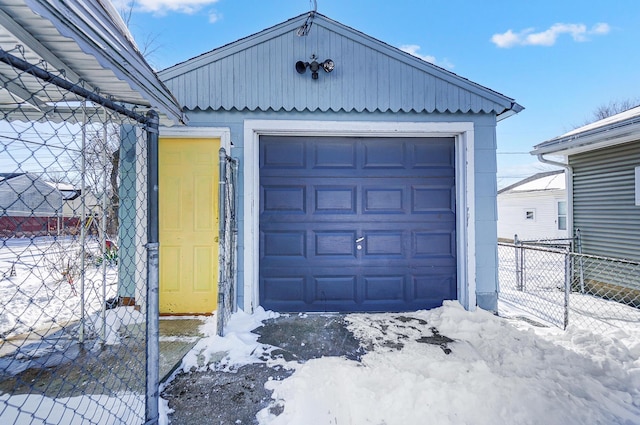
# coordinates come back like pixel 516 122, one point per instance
pixel 101 165
pixel 148 42
pixel 608 109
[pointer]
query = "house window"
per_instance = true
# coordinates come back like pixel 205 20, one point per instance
pixel 529 215
pixel 562 215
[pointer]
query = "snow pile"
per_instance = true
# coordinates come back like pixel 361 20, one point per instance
pixel 238 347
pixel 115 322
pixel 494 374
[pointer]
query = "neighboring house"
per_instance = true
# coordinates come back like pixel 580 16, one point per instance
pixel 29 206
pixel 603 165
pixel 534 208
pixel 367 176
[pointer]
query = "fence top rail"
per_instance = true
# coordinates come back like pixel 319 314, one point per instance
pixel 543 248
pixel 545 240
pixel 574 254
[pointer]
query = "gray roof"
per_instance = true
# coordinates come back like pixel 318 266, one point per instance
pixel 258 73
pixel 86 41
pixel 619 128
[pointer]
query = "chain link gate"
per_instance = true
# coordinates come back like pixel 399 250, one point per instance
pixel 228 235
pixel 551 282
pixel 78 253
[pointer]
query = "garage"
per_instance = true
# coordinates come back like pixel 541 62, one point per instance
pixel 356 223
pixel 366 186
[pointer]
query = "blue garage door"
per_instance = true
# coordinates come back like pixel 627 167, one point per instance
pixel 357 224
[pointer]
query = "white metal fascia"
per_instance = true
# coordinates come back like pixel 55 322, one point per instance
pixel 465 190
pixel 101 41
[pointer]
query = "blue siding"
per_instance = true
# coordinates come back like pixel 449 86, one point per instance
pixel 258 73
pixel 485 213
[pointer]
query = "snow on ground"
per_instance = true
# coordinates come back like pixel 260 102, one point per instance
pixel 38 297
pixel 29 408
pixel 499 371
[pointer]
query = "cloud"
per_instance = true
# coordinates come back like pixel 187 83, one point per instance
pixel 528 37
pixel 214 17
pixel 412 49
pixel 161 7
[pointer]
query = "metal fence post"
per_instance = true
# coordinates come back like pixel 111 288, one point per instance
pixel 518 252
pixel 153 332
pixel 222 225
pixel 580 260
pixel 567 286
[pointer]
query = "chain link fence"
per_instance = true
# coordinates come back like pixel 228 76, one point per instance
pixel 548 280
pixel 228 236
pixel 74 269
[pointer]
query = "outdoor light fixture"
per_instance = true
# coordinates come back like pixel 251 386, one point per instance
pixel 314 66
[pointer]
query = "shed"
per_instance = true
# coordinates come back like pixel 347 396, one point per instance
pixel 534 208
pixel 367 176
pixel 603 166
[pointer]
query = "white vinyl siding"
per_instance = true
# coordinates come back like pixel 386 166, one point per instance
pixel 513 215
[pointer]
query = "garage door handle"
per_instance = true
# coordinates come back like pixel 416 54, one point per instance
pixel 359 240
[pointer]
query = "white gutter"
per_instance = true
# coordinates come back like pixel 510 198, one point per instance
pixel 568 177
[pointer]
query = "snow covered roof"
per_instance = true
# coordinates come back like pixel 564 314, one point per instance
pixel 619 128
pixel 550 180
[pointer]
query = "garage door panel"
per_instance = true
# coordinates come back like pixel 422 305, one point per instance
pixel 384 288
pixel 283 288
pixel 438 284
pixel 335 288
pixel 335 244
pixel 336 199
pixel 354 224
pixel 283 155
pixel 432 155
pixel 383 200
pixel 284 199
pixel 283 243
pixel 334 155
pixel 426 199
pixel 387 244
pixel 384 155
pixel 430 244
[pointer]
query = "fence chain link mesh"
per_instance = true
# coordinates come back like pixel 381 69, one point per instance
pixel 73 273
pixel 228 240
pixel 551 282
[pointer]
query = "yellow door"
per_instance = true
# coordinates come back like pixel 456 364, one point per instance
pixel 188 197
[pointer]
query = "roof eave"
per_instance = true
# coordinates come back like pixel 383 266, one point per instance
pixel 127 64
pixel 597 138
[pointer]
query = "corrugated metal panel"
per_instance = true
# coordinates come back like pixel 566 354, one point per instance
pixel 85 41
pixel 604 201
pixel 258 73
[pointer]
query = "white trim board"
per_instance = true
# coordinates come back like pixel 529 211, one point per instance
pixel 465 187
pixel 223 133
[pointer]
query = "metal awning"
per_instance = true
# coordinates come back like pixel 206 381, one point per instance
pixel 85 43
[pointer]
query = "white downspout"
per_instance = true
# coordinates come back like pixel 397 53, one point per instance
pixel 568 177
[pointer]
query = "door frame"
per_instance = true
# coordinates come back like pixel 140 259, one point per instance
pixel 221 133
pixel 462 132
